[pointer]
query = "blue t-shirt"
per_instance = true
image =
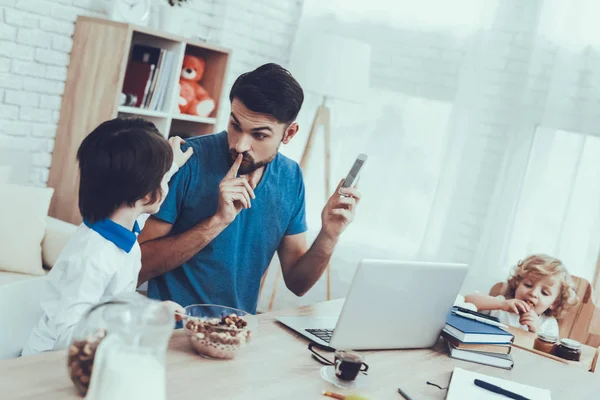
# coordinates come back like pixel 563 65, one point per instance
pixel 229 269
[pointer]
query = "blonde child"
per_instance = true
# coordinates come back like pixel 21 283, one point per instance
pixel 124 166
pixel 538 291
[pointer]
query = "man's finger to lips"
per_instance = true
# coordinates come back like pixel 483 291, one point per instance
pixel 233 171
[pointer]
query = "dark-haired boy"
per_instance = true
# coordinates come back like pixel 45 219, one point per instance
pixel 124 165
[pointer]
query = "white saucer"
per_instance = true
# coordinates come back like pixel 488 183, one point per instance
pixel 328 373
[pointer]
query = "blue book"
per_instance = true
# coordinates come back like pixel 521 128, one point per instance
pixel 472 332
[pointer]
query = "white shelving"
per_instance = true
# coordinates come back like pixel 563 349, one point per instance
pixel 194 118
pixel 102 73
pixel 142 112
pixel 167 123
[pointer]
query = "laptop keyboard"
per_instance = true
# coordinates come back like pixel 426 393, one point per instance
pixel 323 334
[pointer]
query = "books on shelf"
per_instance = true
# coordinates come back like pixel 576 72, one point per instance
pixel 147 76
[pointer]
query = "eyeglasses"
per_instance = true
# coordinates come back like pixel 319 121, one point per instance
pixel 320 358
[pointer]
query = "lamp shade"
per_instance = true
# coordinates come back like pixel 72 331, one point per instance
pixel 331 65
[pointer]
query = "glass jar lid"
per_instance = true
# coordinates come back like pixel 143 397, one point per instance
pixel 547 337
pixel 570 344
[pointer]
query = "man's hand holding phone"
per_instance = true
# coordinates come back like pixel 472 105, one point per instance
pixel 340 209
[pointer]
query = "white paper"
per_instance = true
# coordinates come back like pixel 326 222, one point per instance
pixel 462 387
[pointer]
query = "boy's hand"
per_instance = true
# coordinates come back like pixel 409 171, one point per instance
pixel 176 309
pixel 532 321
pixel 516 306
pixel 179 157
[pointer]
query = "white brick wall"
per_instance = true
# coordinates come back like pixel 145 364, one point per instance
pixel 35 41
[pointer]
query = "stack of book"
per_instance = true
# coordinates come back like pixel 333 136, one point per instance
pixel 471 340
pixel 147 76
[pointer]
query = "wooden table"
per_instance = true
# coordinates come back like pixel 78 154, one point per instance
pixel 278 365
pixel 524 340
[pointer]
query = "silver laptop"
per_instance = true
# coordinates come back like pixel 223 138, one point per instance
pixel 390 305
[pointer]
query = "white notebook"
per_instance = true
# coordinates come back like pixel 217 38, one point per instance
pixel 462 386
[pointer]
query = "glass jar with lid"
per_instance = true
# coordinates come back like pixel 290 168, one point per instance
pixel 568 349
pixel 545 342
pixel 119 348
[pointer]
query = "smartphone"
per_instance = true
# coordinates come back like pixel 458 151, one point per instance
pixel 352 176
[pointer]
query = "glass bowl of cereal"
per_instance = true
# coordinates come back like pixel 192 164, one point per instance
pixel 218 332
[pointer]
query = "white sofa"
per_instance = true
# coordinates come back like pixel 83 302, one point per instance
pixel 25 228
pixel 20 292
pixel 56 235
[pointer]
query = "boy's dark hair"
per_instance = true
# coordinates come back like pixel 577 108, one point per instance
pixel 121 162
pixel 269 89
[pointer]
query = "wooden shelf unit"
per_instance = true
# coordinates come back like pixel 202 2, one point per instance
pixel 99 58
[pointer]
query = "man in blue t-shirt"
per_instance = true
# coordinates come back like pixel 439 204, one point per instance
pixel 237 201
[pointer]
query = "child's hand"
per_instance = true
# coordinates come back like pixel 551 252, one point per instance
pixel 179 157
pixel 516 306
pixel 532 321
pixel 176 309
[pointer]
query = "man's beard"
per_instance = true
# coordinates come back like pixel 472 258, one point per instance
pixel 248 164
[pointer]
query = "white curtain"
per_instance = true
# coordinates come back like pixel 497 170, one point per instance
pixel 546 198
pixel 458 91
pixel 558 211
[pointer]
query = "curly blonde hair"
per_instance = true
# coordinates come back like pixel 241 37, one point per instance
pixel 545 265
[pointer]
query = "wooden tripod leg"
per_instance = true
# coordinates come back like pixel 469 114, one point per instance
pixel 272 300
pixel 313 129
pixel 262 282
pixel 307 148
pixel 326 124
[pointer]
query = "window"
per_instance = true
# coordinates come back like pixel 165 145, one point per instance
pixel 558 212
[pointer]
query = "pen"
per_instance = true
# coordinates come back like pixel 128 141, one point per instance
pixel 334 395
pixel 476 318
pixel 403 394
pixel 499 390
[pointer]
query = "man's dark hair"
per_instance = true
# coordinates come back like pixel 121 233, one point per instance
pixel 269 89
pixel 121 162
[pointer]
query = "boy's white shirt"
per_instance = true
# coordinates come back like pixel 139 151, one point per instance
pixel 89 270
pixel 548 325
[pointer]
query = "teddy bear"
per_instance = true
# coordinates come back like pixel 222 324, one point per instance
pixel 193 98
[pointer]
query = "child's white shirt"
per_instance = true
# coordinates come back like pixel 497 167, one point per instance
pixel 548 325
pixel 97 264
pixel 91 269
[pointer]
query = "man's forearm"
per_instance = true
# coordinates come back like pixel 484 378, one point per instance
pixel 165 254
pixel 309 268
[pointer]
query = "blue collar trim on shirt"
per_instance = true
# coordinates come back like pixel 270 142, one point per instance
pixel 122 237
